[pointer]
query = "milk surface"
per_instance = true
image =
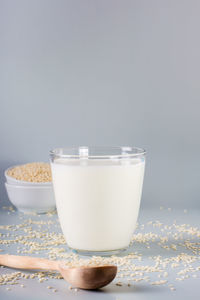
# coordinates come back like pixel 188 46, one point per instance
pixel 98 201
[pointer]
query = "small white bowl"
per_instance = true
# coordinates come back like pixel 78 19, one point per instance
pixel 31 199
pixel 12 180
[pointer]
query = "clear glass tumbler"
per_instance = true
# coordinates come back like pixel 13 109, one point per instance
pixel 98 192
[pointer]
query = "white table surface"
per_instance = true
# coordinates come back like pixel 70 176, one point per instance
pixel 189 287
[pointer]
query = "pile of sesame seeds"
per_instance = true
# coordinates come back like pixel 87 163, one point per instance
pixel 160 255
pixel 31 172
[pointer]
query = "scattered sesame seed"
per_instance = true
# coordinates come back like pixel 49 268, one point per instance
pixel 119 284
pixel 165 274
pixel 34 235
pixel 159 282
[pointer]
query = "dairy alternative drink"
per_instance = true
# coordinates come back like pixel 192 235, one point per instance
pixel 98 201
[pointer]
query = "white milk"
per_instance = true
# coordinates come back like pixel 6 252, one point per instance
pixel 98 201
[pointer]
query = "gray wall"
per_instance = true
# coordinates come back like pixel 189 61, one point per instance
pixel 104 73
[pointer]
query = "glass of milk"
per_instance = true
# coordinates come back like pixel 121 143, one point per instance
pixel 98 192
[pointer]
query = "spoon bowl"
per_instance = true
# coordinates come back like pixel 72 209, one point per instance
pixel 88 277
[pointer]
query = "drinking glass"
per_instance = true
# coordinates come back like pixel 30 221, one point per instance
pixel 98 192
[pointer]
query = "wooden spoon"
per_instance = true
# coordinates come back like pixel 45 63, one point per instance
pixel 84 277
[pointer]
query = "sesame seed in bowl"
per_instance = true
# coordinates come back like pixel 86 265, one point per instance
pixel 35 173
pixel 29 187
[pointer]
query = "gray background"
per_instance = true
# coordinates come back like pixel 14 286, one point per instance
pixel 104 73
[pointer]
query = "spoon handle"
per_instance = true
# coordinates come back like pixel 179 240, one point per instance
pixel 27 262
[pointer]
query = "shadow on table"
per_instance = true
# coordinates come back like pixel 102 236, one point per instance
pixel 112 292
pixel 136 288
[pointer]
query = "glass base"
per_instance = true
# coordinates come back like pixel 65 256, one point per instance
pixel 98 253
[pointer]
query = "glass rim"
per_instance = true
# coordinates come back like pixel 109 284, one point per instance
pixel 102 152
